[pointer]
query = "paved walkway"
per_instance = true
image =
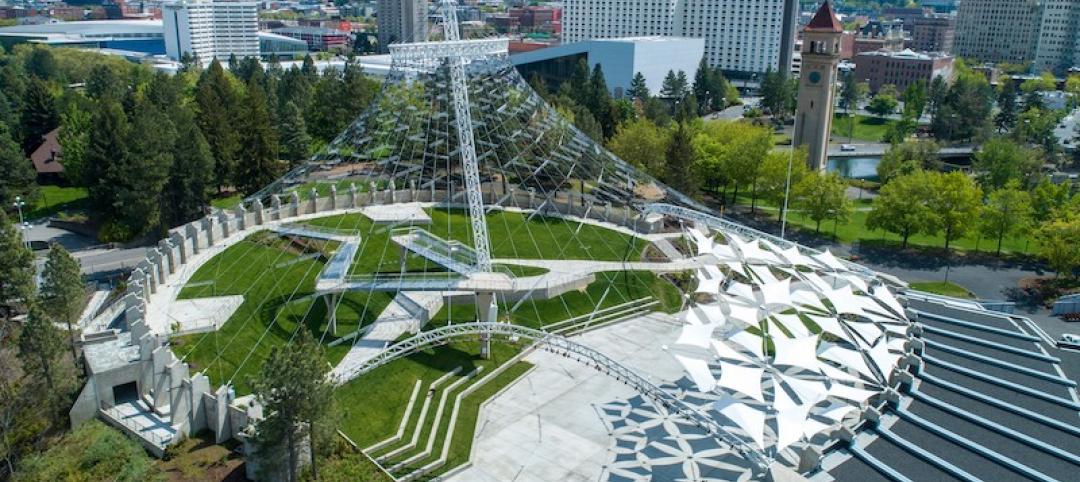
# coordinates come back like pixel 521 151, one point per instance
pixel 399 317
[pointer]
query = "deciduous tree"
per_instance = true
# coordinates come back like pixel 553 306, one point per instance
pixel 1059 244
pixel 902 206
pixel 823 196
pixel 906 158
pixel 955 203
pixel 774 176
pixel 1007 213
pixel 1001 160
pixel 642 143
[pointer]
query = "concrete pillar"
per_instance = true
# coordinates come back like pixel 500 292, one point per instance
pixel 352 195
pixel 532 198
pixel 223 219
pixel 208 226
pixel 257 205
pixel 412 190
pixel 487 311
pixel 178 240
pixel 275 207
pixel 374 193
pixel 193 235
pixel 219 418
pixel 138 278
pixel 294 203
pixel 314 200
pixel 240 214
pixel 333 197
pixel 166 246
pixel 157 263
pixel 148 273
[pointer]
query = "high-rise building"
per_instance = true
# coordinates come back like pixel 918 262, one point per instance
pixel 211 28
pixel 402 21
pixel 933 33
pixel 998 30
pixel 1058 46
pixel 814 109
pixel 741 36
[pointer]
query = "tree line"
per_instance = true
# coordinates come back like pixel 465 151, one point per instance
pixel 153 149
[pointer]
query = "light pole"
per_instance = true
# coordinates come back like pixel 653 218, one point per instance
pixel 787 184
pixel 19 203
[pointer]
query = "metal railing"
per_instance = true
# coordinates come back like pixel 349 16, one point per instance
pixel 570 349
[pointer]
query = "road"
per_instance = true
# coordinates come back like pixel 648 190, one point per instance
pixel 98 261
pixel 1066 130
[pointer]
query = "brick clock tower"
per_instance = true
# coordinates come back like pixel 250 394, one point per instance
pixel 820 56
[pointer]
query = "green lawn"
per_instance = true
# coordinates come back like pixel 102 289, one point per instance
pixel 942 288
pixel 609 289
pixel 867 128
pixel 268 273
pixel 56 199
pixel 375 402
pixel 512 235
pixel 227 202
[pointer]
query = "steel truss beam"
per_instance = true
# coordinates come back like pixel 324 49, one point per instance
pixel 602 363
pixel 467 49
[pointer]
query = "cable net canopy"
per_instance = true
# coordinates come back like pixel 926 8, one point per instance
pixel 408 137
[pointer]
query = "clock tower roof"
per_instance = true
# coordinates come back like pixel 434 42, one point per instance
pixel 825 20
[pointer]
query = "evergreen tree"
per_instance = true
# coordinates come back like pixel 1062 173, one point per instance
pixel 40 344
pixel 671 88
pixel 1007 108
pixel 62 292
pixel 326 116
pixel 703 88
pixel 259 165
pixel 294 87
pixel 41 63
pixel 16 173
pixel 16 269
pixel 680 160
pixel 191 178
pixel 163 91
pixel 915 100
pixel 39 114
pixel 599 102
pixel 104 82
pixel 358 92
pixel 74 138
pixel 307 67
pixel 139 178
pixel 107 146
pixel 935 96
pixel 218 115
pixel 294 391
pixel 295 141
pixel 638 88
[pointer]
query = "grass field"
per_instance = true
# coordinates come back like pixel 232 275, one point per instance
pixel 227 202
pixel 277 279
pixel 867 128
pixel 374 403
pixel 268 273
pixel 942 288
pixel 56 199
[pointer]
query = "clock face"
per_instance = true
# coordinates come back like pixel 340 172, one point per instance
pixel 815 77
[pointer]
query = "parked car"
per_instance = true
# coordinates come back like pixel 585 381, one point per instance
pixel 1069 340
pixel 847 147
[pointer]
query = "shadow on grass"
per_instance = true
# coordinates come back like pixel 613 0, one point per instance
pixel 889 254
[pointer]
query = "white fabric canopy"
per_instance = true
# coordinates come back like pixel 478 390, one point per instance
pixel 696 335
pixel 796 352
pixel 709 279
pixel 836 411
pixel 792 323
pixel 883 358
pixel 828 324
pixel 699 372
pixel 837 374
pixel 844 302
pixel 750 419
pixel 723 252
pixel 763 273
pixel 808 299
pixel 846 358
pixel 813 427
pixel 726 352
pixel 745 380
pixel 857 395
pixel 885 296
pixel 742 291
pixel 749 342
pixel 742 313
pixel 828 260
pixel 789 425
pixel 868 331
pixel 810 392
pixel 777 293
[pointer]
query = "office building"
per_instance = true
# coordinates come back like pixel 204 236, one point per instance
pixel 998 30
pixel 933 33
pixel 742 37
pixel 211 28
pixel 1059 36
pixel 879 35
pixel 619 59
pixel 402 21
pixel 906 15
pixel 901 68
pixel 318 39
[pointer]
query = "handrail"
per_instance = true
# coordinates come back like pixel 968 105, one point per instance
pixel 662 398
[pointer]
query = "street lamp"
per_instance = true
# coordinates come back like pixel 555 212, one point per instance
pixel 19 203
